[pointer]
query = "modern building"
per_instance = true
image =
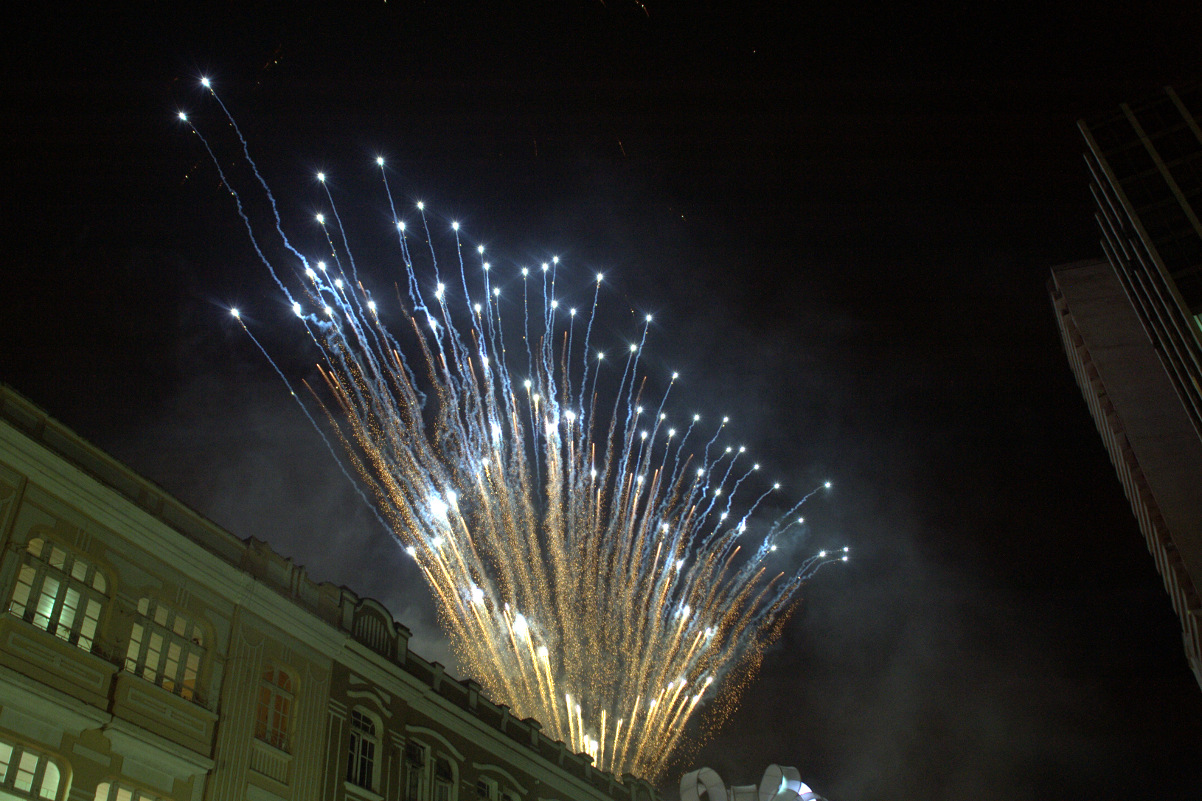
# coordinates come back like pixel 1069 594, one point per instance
pixel 1132 329
pixel 145 653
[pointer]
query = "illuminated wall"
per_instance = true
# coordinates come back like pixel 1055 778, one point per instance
pixel 147 654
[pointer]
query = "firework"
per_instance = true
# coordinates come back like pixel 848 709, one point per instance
pixel 585 550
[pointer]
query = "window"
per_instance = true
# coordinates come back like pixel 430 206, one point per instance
pixel 415 770
pixel 26 774
pixel 444 780
pixel 486 789
pixel 361 767
pixel 109 791
pixel 165 648
pixel 275 706
pixel 59 593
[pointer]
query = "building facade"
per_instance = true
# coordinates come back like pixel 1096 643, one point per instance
pixel 146 654
pixel 1132 329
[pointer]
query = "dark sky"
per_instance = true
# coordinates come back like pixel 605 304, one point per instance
pixel 843 219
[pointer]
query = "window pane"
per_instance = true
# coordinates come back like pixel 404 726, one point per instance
pixel 66 616
pixel 46 601
pixel 50 781
pixel 23 589
pixel 25 770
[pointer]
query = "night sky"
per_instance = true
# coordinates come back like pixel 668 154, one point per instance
pixel 842 218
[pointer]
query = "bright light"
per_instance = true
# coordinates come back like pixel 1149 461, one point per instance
pixel 204 82
pixel 183 117
pixel 520 626
pixel 827 485
pixel 379 161
pixel 296 309
pixel 321 219
pixel 321 176
pixel 236 313
pixel 411 551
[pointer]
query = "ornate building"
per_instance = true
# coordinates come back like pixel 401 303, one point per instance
pixel 147 654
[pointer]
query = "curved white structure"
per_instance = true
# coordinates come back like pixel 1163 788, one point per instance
pixel 780 783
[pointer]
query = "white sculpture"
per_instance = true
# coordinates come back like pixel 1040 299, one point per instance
pixel 780 783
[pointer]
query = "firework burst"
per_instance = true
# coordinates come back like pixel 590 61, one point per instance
pixel 587 553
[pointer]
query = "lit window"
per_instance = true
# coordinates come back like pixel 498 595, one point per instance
pixel 361 767
pixel 59 593
pixel 275 706
pixel 27 774
pixel 110 791
pixel 165 648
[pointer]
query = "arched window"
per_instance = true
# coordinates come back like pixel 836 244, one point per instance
pixel 486 789
pixel 111 791
pixel 444 780
pixel 275 707
pixel 59 593
pixel 165 648
pixel 365 741
pixel 27 774
pixel 415 771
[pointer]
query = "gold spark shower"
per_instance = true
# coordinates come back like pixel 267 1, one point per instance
pixel 587 552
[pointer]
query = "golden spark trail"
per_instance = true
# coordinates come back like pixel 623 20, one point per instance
pixel 590 558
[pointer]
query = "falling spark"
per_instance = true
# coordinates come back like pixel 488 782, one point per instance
pixel 588 569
